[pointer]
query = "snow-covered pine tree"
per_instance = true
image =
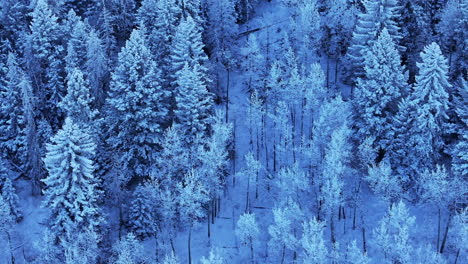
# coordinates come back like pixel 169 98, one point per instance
pixel 128 251
pixel 453 20
pixel 77 104
pixel 187 48
pixel 46 48
pixel 141 217
pixel 161 18
pixel 71 188
pixel 11 198
pixel 6 224
pixel 377 93
pixel 430 94
pixel 338 22
pixel 378 14
pixel 391 236
pixel 137 105
pixel 315 251
pixel 96 68
pixel 12 122
pixel 222 30
pixel 247 231
pixel 194 104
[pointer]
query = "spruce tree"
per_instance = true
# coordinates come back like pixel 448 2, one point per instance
pixel 378 92
pixel 12 121
pixel 431 96
pixel 187 47
pixel 378 14
pixel 11 198
pixel 71 189
pixel 47 50
pixel 142 214
pixel 77 104
pixel 137 105
pixel 193 103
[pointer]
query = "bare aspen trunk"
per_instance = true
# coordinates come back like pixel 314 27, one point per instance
pixel 283 253
pixel 444 240
pixel 251 251
pixel 189 245
pixel 227 93
pixel 209 224
pixel 438 228
pixel 364 248
pixel 11 248
pixel 332 229
pixel 354 217
pixel 247 202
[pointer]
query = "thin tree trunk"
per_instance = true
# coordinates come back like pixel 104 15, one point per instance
pixel 11 248
pixel 336 69
pixel 214 209
pixel 438 228
pixel 332 229
pixel 444 240
pixel 456 256
pixel 328 74
pixel 354 217
pixel 283 253
pixel 227 93
pixel 251 251
pixel 209 224
pixel 364 248
pixel 189 245
pixel 247 200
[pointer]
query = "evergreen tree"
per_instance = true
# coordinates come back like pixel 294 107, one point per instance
pixel 71 188
pixel 171 259
pixel 46 47
pixel 315 251
pixel 160 17
pixel 193 103
pixel 77 104
pixel 97 68
pixel 378 14
pixel 137 106
pixel 12 121
pixel 6 225
pixel 431 96
pixel 81 248
pixel 378 92
pixel 11 199
pixel 141 217
pixel 222 30
pixel 187 48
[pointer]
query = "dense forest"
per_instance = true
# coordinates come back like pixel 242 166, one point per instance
pixel 233 131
